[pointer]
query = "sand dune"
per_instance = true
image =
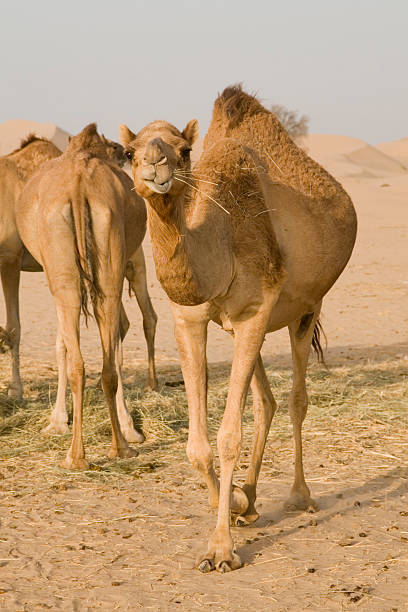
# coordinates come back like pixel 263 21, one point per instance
pixel 12 132
pixel 347 157
pixel 398 149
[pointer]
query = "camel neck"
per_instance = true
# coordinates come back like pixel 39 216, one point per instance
pixel 193 259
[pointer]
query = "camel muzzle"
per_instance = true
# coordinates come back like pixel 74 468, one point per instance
pixel 155 168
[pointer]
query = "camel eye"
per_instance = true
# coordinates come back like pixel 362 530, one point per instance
pixel 129 154
pixel 185 153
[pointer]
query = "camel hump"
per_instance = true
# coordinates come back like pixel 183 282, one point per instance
pixel 237 105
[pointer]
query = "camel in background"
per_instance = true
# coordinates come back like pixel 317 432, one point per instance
pixel 252 239
pixel 81 221
pixel 16 169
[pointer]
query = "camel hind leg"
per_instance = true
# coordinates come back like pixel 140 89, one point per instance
pixel 107 314
pixel 59 417
pixel 264 407
pixel 299 498
pixel 127 426
pixel 10 278
pixel 68 326
pixel 136 275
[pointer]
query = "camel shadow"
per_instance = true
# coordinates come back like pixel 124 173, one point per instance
pixel 343 503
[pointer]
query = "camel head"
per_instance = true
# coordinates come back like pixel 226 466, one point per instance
pixel 158 153
pixel 114 151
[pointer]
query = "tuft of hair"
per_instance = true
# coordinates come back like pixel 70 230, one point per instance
pixel 316 344
pixel 86 137
pixel 236 105
pixel 28 140
pixel 88 269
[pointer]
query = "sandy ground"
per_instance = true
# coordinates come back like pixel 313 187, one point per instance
pixel 77 545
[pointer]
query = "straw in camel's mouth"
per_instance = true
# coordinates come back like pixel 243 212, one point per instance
pixel 159 187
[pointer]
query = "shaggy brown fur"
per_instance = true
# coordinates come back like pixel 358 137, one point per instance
pixel 31 138
pixel 90 144
pixel 241 116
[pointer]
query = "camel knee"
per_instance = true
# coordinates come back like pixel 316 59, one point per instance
pixel 149 324
pixel 109 379
pixel 76 373
pixel 200 455
pixel 269 409
pixel 298 403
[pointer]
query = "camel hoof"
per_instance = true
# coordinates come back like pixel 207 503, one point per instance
pixel 239 500
pixel 70 463
pixel 223 567
pixel 152 385
pixel 122 453
pixel 206 566
pixel 297 501
pixel 55 429
pixel 228 566
pixel 243 520
pixel 15 394
pixel 133 436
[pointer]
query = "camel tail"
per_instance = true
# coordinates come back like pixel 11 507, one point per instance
pixel 316 344
pixel 86 253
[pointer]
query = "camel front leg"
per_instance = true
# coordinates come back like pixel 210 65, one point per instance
pixel 136 275
pixel 191 335
pixel 249 334
pixel 299 498
pixel 10 278
pixel 130 433
pixel 59 416
pixel 264 407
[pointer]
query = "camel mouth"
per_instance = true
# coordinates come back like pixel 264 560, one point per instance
pixel 159 187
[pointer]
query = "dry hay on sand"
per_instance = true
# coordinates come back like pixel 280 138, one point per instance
pixel 125 533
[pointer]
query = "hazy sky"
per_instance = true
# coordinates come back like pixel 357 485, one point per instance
pixel 343 63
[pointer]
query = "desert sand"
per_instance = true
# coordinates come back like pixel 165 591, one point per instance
pixel 130 543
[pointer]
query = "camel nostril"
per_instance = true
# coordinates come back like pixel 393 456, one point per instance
pixel 150 162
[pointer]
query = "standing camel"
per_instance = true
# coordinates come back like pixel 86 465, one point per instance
pixel 16 169
pixel 81 221
pixel 252 239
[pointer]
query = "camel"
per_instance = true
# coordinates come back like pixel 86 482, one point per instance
pixel 81 221
pixel 252 239
pixel 16 168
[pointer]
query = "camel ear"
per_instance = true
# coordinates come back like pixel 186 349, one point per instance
pixel 125 135
pixel 190 132
pixel 103 138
